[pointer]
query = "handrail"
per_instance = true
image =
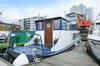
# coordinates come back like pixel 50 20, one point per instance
pixel 41 41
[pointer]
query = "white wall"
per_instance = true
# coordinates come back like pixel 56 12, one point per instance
pixel 66 39
pixel 56 34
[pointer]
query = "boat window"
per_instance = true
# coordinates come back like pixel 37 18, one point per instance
pixel 73 36
pixel 64 24
pixel 97 26
pixel 57 24
pixel 39 26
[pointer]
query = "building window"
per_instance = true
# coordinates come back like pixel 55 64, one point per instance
pixel 39 26
pixel 64 24
pixel 57 24
pixel 3 26
pixel 8 27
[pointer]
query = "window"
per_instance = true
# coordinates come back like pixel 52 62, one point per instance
pixel 97 26
pixel 3 26
pixel 64 24
pixel 57 24
pixel 8 27
pixel 39 26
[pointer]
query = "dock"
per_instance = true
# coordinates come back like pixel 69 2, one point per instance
pixel 75 57
pixel 4 63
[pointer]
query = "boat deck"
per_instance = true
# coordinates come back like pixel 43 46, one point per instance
pixel 75 57
pixel 28 49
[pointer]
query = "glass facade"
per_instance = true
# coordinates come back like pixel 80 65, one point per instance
pixel 82 10
pixel 90 13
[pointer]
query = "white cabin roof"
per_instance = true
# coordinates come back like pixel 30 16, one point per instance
pixel 97 20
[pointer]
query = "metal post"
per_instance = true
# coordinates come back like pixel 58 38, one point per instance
pixel 12 36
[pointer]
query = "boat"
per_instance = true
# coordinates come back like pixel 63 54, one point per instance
pixel 94 40
pixel 52 36
pixel 20 38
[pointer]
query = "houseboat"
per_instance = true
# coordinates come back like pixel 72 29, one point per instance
pixel 52 36
pixel 94 40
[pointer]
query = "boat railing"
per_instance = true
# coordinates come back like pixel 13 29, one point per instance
pixel 40 41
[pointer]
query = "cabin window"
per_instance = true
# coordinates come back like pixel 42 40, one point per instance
pixel 97 26
pixel 64 24
pixel 39 26
pixel 73 36
pixel 57 24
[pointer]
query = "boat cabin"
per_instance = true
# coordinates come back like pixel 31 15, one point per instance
pixel 51 28
pixel 96 30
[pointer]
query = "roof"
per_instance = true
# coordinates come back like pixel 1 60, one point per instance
pixel 6 23
pixel 74 13
pixel 97 20
pixel 51 18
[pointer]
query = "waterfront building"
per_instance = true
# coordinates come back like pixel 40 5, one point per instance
pixel 83 10
pixel 6 28
pixel 73 21
pixel 90 14
pixel 28 23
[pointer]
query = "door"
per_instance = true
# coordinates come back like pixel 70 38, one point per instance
pixel 48 32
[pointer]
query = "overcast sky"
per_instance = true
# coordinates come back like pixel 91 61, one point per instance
pixel 18 9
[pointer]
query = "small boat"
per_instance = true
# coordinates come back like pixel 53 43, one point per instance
pixel 20 38
pixel 52 36
pixel 94 40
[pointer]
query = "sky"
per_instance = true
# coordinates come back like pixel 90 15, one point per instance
pixel 19 9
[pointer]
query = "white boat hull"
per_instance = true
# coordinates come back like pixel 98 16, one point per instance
pixel 95 48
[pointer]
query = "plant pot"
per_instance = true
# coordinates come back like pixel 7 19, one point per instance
pixel 35 42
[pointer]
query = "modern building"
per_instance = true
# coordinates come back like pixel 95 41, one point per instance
pixel 90 14
pixel 80 9
pixel 29 23
pixel 73 21
pixel 83 10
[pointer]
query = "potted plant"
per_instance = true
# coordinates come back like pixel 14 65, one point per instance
pixel 36 40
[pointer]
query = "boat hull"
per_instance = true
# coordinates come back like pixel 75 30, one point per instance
pixel 95 48
pixel 16 53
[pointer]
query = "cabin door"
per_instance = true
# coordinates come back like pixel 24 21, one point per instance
pixel 48 32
